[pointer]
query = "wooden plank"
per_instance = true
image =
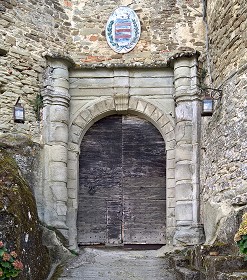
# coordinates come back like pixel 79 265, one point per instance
pixel 100 178
pixel 151 211
pixel 91 221
pixel 144 177
pixel 145 188
pixel 114 222
pixel 142 236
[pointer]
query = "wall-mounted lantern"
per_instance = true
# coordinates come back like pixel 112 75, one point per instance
pixel 209 95
pixel 19 112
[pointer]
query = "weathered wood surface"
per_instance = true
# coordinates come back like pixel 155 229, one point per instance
pixel 114 222
pixel 122 183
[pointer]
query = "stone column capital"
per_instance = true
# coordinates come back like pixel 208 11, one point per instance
pixel 56 86
pixel 186 78
pixel 56 58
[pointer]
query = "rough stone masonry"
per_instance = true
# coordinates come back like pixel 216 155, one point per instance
pixel 58 49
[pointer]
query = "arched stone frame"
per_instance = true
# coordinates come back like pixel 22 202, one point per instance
pixel 97 110
pixel 62 134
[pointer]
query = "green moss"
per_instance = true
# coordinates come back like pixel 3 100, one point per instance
pixel 15 189
pixel 15 141
pixel 73 252
pixel 57 273
pixel 219 244
pixel 19 224
pixel 37 104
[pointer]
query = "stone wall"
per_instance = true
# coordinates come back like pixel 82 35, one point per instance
pixel 224 161
pixel 167 27
pixel 227 36
pixel 30 30
pixel 27 30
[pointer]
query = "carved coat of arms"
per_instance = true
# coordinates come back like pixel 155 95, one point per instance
pixel 123 30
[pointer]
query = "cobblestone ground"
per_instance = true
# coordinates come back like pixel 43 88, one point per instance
pixel 118 264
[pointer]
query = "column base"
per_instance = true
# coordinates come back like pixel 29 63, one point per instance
pixel 189 235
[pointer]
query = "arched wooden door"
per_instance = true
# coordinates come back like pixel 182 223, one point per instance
pixel 122 192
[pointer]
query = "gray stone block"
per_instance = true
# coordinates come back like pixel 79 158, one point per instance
pixel 61 83
pixel 59 114
pixel 58 132
pixel 184 192
pixel 183 171
pixel 141 106
pixel 184 112
pixel 61 208
pixel 58 153
pixel 59 191
pixel 60 73
pixel 58 171
pixel 184 152
pixel 183 132
pixel 184 211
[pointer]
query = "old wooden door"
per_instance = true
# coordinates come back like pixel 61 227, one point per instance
pixel 122 192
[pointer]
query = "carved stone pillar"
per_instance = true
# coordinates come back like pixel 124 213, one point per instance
pixel 55 138
pixel 187 152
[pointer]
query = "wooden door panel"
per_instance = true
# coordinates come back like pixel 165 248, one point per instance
pixel 145 210
pixel 91 221
pixel 122 183
pixel 100 178
pixel 145 188
pixel 144 177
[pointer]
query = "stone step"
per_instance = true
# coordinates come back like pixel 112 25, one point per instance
pixel 237 275
pixel 183 273
pixel 195 265
pixel 223 263
pixel 179 261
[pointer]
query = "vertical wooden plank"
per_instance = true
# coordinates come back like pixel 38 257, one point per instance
pixel 100 178
pixel 144 177
pixel 114 221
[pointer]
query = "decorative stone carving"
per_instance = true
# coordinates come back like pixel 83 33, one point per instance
pixel 123 30
pixel 121 101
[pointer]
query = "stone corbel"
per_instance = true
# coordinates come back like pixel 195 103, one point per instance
pixel 121 101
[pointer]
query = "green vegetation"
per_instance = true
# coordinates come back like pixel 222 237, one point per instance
pixel 241 236
pixel 10 267
pixel 37 106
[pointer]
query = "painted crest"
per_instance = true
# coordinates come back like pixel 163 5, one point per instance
pixel 123 30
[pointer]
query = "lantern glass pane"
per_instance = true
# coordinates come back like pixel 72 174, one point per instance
pixel 208 105
pixel 19 114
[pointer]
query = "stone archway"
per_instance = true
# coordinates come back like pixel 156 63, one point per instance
pixel 63 133
pixel 96 111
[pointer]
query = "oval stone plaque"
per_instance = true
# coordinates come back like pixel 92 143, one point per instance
pixel 123 30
